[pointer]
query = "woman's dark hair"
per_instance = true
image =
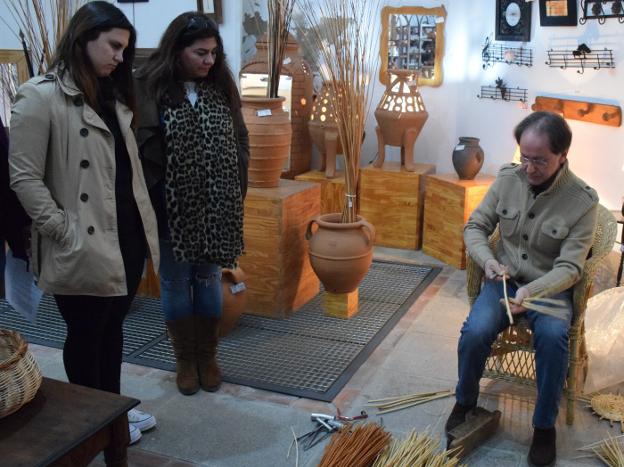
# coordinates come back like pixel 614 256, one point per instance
pixel 161 70
pixel 550 124
pixel 86 25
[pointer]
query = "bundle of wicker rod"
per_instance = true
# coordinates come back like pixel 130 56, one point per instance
pixel 417 449
pixel 355 446
pixel 20 376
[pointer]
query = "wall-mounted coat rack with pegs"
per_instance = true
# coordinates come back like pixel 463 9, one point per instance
pixel 494 52
pixel 593 112
pixel 601 10
pixel 582 57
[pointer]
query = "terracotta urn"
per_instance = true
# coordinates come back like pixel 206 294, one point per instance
pixel 340 253
pixel 467 157
pixel 401 116
pixel 234 299
pixel 269 139
pixel 324 131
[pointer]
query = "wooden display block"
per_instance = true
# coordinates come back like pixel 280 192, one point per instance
pixel 448 204
pixel 280 279
pixel 341 305
pixel 332 189
pixel 392 199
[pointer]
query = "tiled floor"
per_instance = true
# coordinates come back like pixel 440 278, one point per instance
pixel 242 426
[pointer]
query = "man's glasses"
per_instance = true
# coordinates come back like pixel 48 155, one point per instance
pixel 537 162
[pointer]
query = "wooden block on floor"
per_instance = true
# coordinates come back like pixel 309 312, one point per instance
pixel 392 199
pixel 280 279
pixel 449 202
pixel 341 305
pixel 332 189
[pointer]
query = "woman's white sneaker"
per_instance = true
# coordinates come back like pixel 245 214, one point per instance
pixel 135 433
pixel 141 420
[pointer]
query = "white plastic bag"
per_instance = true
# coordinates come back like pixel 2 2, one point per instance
pixel 604 335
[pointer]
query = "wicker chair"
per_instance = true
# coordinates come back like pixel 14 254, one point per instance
pixel 512 357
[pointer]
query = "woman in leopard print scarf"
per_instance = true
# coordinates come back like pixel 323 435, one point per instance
pixel 194 146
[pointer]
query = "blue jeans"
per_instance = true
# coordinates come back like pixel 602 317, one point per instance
pixel 187 288
pixel 486 320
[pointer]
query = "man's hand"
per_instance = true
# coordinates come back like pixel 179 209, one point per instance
pixel 494 270
pixel 515 304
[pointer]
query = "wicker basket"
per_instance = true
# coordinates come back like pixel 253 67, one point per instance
pixel 20 376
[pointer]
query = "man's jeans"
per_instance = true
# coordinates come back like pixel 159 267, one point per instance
pixel 486 320
pixel 187 288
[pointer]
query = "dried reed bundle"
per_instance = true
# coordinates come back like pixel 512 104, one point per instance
pixel 391 404
pixel 280 14
pixel 416 450
pixel 43 26
pixel 344 32
pixel 608 450
pixel 355 447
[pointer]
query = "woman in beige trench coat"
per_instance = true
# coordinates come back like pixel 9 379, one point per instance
pixel 75 168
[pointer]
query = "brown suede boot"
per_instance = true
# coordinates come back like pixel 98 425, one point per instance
pixel 182 336
pixel 207 340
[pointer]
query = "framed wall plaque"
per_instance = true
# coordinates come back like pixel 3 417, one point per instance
pixel 558 13
pixel 513 20
pixel 212 8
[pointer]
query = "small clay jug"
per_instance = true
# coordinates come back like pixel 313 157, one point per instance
pixel 234 299
pixel 467 157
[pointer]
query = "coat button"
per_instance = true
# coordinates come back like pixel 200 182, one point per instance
pixel 84 132
pixel 504 211
pixel 84 163
pixel 531 215
pixel 554 232
pixel 520 279
pixel 84 197
pixel 90 230
pixel 525 237
pixel 78 101
pixel 49 76
pixel 525 256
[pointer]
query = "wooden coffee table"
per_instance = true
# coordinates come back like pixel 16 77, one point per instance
pixel 66 425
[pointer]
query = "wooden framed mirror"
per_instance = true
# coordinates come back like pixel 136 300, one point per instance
pixel 412 38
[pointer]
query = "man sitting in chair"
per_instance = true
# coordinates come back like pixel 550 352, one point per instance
pixel 546 217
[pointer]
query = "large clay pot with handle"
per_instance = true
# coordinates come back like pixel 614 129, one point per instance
pixel 269 139
pixel 340 253
pixel 234 299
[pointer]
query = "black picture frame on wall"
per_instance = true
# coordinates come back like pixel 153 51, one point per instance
pixel 513 20
pixel 558 13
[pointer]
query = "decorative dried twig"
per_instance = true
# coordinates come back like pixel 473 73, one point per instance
pixel 392 404
pixel 345 34
pixel 42 26
pixel 280 14
pixel 355 447
pixel 509 314
pixel 417 449
pixel 608 450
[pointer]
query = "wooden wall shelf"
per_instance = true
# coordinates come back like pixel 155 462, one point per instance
pixel 602 114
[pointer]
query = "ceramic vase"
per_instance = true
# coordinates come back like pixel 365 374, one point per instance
pixel 467 157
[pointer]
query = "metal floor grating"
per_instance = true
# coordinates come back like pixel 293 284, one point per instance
pixel 308 355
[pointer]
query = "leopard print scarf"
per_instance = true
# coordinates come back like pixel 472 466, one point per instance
pixel 203 194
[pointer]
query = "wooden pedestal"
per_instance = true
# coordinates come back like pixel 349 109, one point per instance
pixel 279 277
pixel 332 189
pixel 448 204
pixel 341 305
pixel 392 199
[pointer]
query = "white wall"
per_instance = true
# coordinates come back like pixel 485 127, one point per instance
pixel 597 153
